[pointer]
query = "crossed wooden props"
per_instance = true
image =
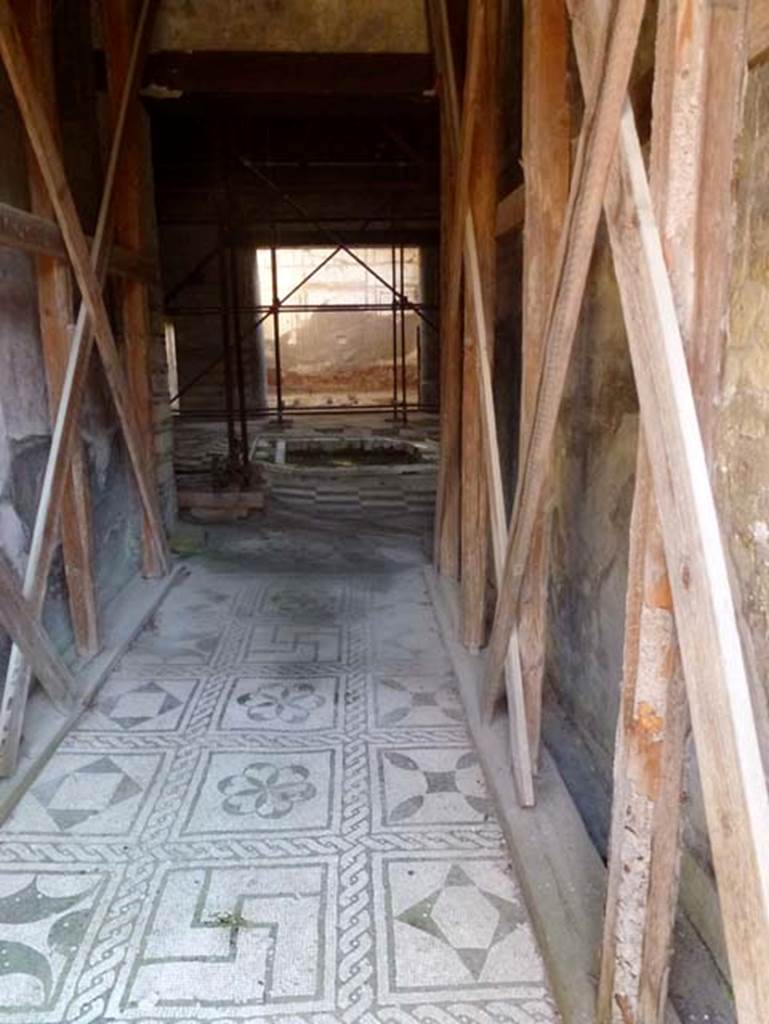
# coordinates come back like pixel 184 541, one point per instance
pixel 89 270
pixel 610 172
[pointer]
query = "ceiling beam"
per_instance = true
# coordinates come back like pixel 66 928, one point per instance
pixel 290 74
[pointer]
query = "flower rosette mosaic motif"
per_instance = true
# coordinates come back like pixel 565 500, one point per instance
pixel 290 703
pixel 266 790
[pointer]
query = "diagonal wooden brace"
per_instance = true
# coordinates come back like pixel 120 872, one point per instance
pixel 89 271
pixel 731 771
pixel 605 94
pixel 18 619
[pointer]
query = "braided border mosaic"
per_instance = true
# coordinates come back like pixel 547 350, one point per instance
pixel 273 813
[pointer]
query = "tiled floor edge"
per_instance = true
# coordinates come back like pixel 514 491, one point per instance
pixel 559 869
pixel 123 619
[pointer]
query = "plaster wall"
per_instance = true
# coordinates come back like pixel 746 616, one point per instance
pixel 321 26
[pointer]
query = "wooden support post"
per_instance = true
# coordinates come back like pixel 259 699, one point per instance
pixel 480 327
pixel 18 619
pixel 446 552
pixel 546 161
pixel 604 101
pixel 89 272
pixel 478 153
pixel 55 302
pixel 698 83
pixel 119 19
pixel 731 771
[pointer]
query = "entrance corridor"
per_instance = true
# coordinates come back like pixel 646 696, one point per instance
pixel 272 812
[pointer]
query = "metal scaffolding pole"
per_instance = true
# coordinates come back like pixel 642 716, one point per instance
pixel 395 339
pixel 276 329
pixel 224 320
pixel 239 365
pixel 404 396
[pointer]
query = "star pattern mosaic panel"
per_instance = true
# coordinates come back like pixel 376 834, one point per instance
pixel 273 813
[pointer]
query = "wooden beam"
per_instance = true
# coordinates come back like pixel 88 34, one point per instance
pixel 697 90
pixel 55 301
pixel 18 619
pixel 605 96
pixel 546 166
pixel 516 705
pixel 447 534
pixel 734 789
pixel 290 74
pixel 758 29
pixel 89 271
pixel 29 232
pixel 447 493
pixel 480 304
pixel 477 186
pixel 119 19
pixel 511 210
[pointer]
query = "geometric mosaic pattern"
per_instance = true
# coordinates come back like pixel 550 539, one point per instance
pixel 272 813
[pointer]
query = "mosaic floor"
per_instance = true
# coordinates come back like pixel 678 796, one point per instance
pixel 272 813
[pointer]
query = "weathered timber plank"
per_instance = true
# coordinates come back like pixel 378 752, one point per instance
pixel 89 271
pixel 546 165
pixel 696 118
pixel 734 789
pixel 118 21
pixel 460 125
pixel 30 232
pixel 477 180
pixel 20 622
pixel 605 94
pixel 55 301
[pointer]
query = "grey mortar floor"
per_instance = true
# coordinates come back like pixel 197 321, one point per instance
pixel 273 812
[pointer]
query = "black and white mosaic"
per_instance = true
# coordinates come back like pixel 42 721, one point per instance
pixel 273 813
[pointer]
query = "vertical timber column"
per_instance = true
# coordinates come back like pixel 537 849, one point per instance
pixel 699 71
pixel 483 204
pixel 55 307
pixel 429 354
pixel 447 540
pixel 118 22
pixel 546 164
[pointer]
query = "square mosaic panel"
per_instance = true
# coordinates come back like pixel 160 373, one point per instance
pixel 47 920
pixel 271 814
pixel 282 704
pixel 263 792
pixel 304 643
pixel 140 705
pixel 415 698
pixel 296 600
pixel 236 939
pixel 98 795
pixel 424 787
pixel 451 926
